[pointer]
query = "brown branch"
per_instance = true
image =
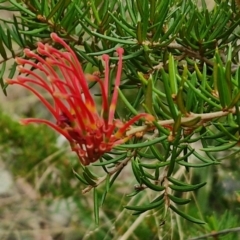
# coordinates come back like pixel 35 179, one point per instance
pixel 190 52
pixel 214 234
pixel 204 117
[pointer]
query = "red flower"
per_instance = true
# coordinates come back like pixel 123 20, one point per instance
pixel 90 134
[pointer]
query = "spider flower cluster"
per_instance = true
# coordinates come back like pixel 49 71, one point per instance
pixel 90 133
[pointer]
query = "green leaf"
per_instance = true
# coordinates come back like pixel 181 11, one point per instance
pixel 16 34
pixel 9 42
pixel 219 28
pixel 154 166
pixel 136 171
pixel 169 96
pixel 34 31
pixel 186 216
pixel 234 101
pixel 114 177
pixel 177 182
pixel 177 123
pixel 44 8
pixel 226 131
pixel 156 153
pixel 60 5
pixel 180 101
pixel 109 183
pixel 187 188
pixel 196 165
pixel 104 8
pixel 131 56
pixel 95 11
pixel 67 21
pixel 136 102
pixel 145 82
pixel 152 4
pixel 96 206
pixel 130 8
pixel 152 205
pixel 144 144
pixel 174 27
pixel 144 13
pixel 139 34
pixel 2 71
pixel 123 41
pixel 113 160
pixel 107 187
pixel 130 195
pixel 161 18
pixel 4 37
pixel 223 147
pixel 149 96
pixel 82 16
pixel 12 70
pixel 198 94
pixel 2 50
pixel 99 53
pixel 85 56
pixel 154 187
pixel 88 179
pixel 174 153
pixel 89 173
pixel 191 98
pixel 191 123
pixel 22 8
pixel 123 26
pixel 172 75
pixel 127 103
pixel 81 179
pixel 178 200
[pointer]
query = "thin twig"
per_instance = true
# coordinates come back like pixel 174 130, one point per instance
pixel 214 234
pixel 190 52
pixel 204 117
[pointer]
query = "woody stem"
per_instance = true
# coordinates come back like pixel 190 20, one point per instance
pixel 204 117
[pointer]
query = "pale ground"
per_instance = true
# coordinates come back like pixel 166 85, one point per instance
pixel 210 3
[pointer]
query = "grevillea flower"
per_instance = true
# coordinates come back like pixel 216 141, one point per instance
pixel 89 132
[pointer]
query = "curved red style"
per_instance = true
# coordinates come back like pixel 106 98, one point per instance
pixel 89 132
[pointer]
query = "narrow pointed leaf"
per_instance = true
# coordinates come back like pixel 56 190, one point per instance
pixel 146 207
pixel 80 178
pixel 178 200
pixel 187 188
pixel 186 216
pixel 223 147
pixel 96 206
